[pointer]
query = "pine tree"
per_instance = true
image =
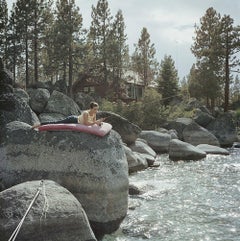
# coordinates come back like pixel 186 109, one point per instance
pixel 231 46
pixel 24 27
pixel 207 49
pixel 3 28
pixel 14 47
pixel 67 29
pixel 42 17
pixel 99 39
pixel 143 59
pixel 118 52
pixel 168 80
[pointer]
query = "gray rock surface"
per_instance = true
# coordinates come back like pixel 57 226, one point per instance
pixel 127 130
pixel 142 147
pixel 223 128
pixel 61 103
pixel 158 141
pixel 94 169
pixel 55 215
pixel 179 150
pixel 38 99
pixel 136 162
pixel 210 149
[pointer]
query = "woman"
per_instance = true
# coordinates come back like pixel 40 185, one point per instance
pixel 88 118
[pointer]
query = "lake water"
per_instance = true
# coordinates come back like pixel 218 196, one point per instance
pixel 185 201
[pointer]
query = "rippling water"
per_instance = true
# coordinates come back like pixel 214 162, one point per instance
pixel 197 201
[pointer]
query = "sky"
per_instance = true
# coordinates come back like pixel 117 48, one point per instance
pixel 170 23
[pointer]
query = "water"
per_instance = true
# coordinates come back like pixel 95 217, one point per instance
pixel 185 201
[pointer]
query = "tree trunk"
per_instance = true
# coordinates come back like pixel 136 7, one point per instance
pixel 70 71
pixel 35 48
pixel 227 77
pixel 26 62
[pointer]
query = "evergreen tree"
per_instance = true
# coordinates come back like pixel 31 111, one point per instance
pixel 194 84
pixel 207 49
pixel 3 28
pixel 41 19
pixel 99 39
pixel 67 29
pixel 168 80
pixel 143 59
pixel 235 89
pixel 118 55
pixel 24 27
pixel 14 47
pixel 231 46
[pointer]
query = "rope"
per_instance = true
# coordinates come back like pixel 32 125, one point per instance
pixel 16 231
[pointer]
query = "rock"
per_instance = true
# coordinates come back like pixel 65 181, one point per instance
pixel 150 159
pixel 202 118
pixel 189 131
pixel 92 168
pixel 134 190
pixel 179 150
pixel 128 131
pixel 45 117
pixel 55 215
pixel 195 135
pixel 61 103
pixel 159 142
pixel 141 147
pixel 22 94
pixel 135 161
pixel 38 99
pixel 179 124
pixel 223 128
pixel 209 149
pixel 20 112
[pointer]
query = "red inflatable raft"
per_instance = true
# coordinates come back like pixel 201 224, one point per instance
pixel 94 129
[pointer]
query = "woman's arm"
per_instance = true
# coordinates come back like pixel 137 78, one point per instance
pixel 86 120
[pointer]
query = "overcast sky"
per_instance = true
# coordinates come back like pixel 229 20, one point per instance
pixel 170 23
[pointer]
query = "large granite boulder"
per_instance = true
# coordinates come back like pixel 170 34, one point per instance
pixel 142 147
pixel 224 129
pixel 6 89
pixel 158 141
pixel 55 215
pixel 94 169
pixel 61 103
pixel 127 130
pixel 136 162
pixel 38 99
pixel 189 131
pixel 195 135
pixel 202 118
pixel 179 150
pixel 20 111
pixel 209 149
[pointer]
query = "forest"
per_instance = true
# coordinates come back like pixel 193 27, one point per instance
pixel 44 41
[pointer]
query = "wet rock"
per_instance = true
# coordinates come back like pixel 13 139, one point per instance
pixel 55 215
pixel 94 169
pixel 210 149
pixel 179 150
pixel 159 142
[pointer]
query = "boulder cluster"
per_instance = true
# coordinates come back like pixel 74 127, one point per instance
pixel 84 178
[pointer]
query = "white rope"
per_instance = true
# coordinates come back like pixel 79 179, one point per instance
pixel 16 231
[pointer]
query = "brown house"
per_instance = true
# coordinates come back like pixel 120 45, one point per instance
pixel 131 89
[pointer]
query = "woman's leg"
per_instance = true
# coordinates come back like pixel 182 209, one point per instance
pixel 69 119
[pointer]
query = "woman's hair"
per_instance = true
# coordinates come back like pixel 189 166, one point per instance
pixel 93 104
